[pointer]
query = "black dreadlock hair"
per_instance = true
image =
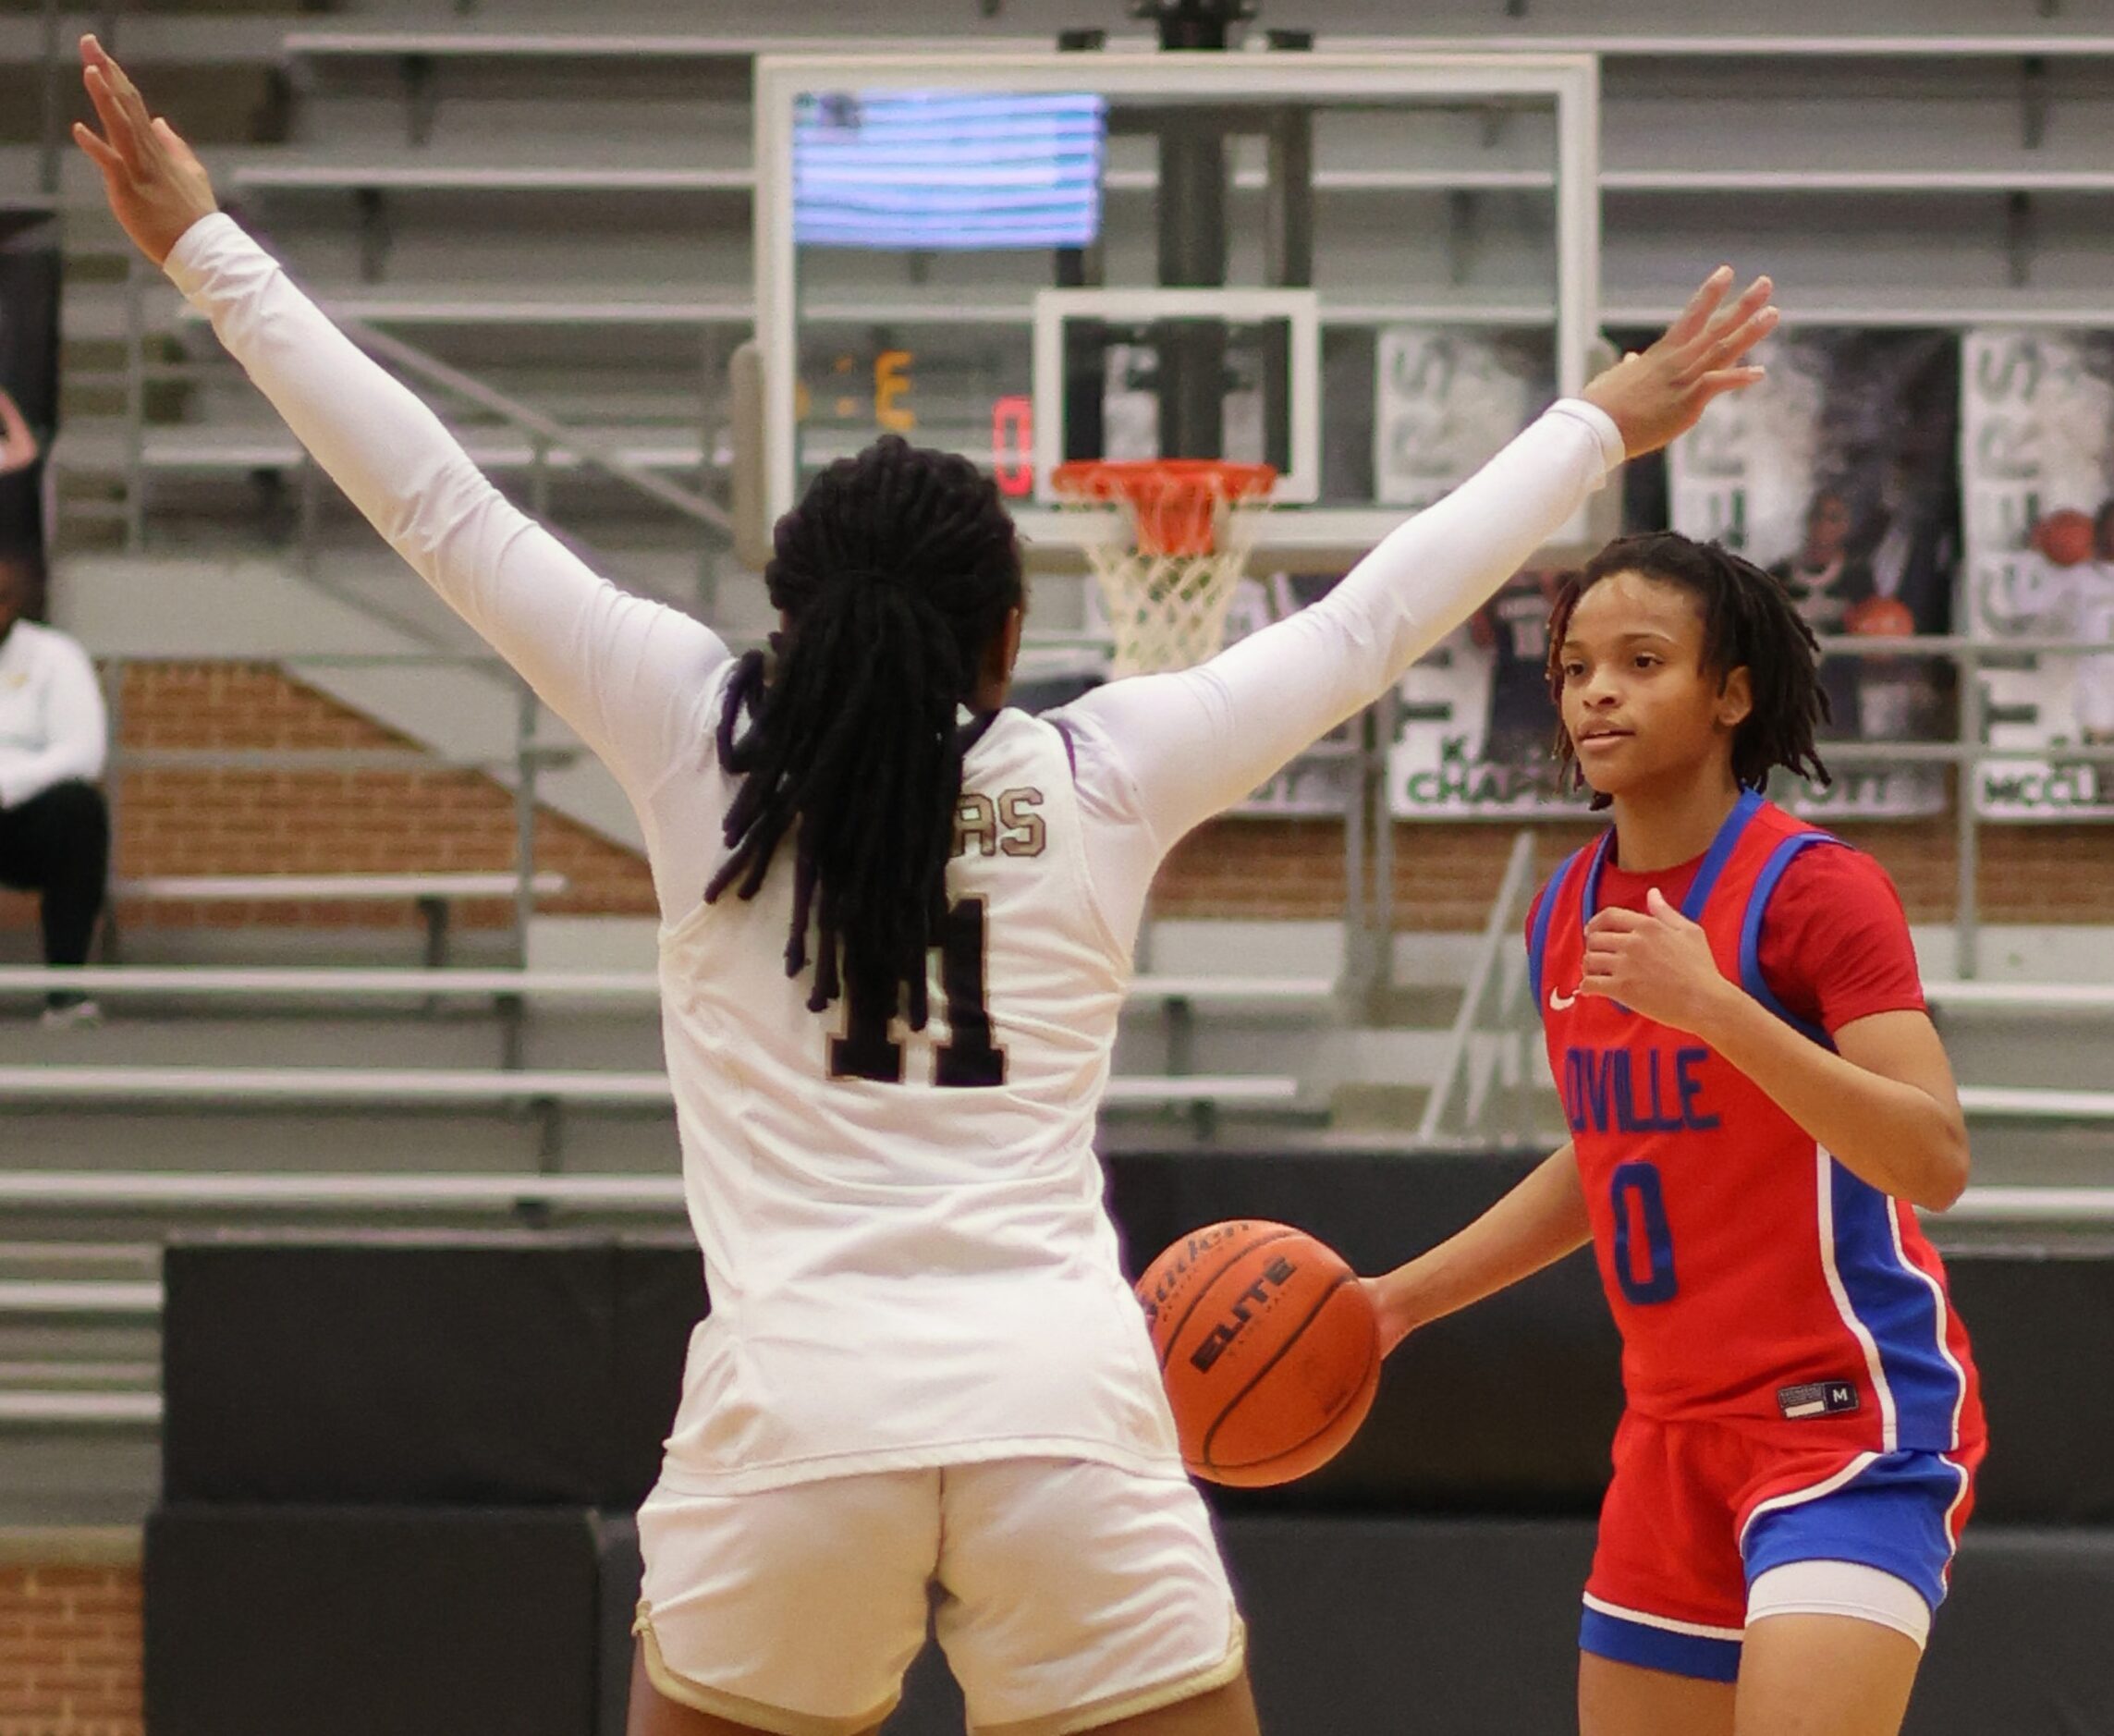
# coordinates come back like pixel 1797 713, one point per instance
pixel 893 574
pixel 1748 622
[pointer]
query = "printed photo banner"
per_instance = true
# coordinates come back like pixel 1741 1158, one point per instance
pixel 2037 460
pixel 1478 726
pixel 1838 474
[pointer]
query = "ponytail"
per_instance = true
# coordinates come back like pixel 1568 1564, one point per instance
pixel 892 575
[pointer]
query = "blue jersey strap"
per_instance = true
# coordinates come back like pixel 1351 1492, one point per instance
pixel 1751 977
pixel 1719 853
pixel 1545 912
pixel 1706 872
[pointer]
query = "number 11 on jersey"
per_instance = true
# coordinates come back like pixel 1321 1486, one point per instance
pixel 969 1056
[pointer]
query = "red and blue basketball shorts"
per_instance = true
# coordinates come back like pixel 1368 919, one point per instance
pixel 1698 1511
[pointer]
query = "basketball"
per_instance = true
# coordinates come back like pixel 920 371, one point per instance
pixel 1882 617
pixel 2065 537
pixel 1268 1348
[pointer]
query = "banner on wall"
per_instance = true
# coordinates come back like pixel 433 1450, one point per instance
pixel 1838 474
pixel 2036 458
pixel 1446 402
pixel 1477 723
pixel 29 385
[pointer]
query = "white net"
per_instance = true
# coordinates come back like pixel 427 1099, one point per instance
pixel 1167 584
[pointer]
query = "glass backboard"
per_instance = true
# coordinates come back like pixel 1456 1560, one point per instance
pixel 1353 267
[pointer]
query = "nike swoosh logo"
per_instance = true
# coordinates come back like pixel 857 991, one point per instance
pixel 1561 1003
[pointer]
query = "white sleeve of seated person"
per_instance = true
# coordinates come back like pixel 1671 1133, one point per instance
pixel 77 738
pixel 625 673
pixel 1158 754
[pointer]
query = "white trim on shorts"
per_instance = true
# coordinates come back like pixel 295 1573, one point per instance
pixel 1139 1701
pixel 775 1720
pixel 1840 1588
pixel 1693 1630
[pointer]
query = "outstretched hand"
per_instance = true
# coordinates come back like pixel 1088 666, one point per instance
pixel 1657 394
pixel 156 186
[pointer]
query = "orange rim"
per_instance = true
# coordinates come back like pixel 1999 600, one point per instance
pixel 1176 500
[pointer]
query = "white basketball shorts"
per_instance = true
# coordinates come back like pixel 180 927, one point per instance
pixel 1065 1595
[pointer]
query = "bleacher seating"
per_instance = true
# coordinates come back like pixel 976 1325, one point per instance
pixel 506 193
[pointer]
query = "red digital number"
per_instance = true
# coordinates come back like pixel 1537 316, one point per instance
pixel 1013 446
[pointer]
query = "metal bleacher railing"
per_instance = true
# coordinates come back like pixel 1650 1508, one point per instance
pixel 529 757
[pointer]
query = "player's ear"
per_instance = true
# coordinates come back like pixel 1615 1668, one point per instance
pixel 1735 698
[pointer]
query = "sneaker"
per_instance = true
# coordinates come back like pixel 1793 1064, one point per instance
pixel 81 1014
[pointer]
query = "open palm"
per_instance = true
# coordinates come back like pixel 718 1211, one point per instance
pixel 156 185
pixel 1656 394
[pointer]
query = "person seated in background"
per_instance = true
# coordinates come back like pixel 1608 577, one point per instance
pixel 1826 584
pixel 55 828
pixel 17 443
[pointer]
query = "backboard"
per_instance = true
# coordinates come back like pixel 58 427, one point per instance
pixel 1366 270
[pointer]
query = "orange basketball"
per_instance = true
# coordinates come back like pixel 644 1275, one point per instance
pixel 2065 537
pixel 1269 1347
pixel 1882 617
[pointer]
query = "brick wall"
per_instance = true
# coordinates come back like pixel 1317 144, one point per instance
pixel 183 822
pixel 348 822
pixel 234 822
pixel 69 1642
pixel 1444 874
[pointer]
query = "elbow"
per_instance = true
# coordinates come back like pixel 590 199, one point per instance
pixel 1949 1171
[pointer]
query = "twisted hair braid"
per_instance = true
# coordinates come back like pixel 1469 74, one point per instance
pixel 893 574
pixel 1748 622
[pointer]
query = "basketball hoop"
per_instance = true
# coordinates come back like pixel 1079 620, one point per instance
pixel 1168 585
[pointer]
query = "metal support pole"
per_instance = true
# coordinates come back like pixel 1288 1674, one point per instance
pixel 53 127
pixel 1085 347
pixel 135 405
pixel 1181 1035
pixel 1192 255
pixel 525 821
pixel 1386 723
pixel 422 101
pixel 1355 904
pixel 711 408
pixel 1193 235
pixel 307 516
pixel 539 480
pixel 113 681
pixel 1288 243
pixel 1967 826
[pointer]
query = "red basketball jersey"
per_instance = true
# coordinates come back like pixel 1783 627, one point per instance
pixel 1752 1276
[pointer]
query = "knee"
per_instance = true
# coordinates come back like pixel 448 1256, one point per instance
pixel 73 819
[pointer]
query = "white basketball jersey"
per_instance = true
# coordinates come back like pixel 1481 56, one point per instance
pixel 904 1236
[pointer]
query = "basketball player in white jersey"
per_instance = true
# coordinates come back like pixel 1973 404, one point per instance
pixel 897 931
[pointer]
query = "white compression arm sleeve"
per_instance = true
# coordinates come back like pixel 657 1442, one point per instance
pixel 625 673
pixel 1157 754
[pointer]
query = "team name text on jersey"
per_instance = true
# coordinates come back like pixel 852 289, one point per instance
pixel 1642 1090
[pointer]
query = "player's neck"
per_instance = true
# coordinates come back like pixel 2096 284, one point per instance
pixel 1668 823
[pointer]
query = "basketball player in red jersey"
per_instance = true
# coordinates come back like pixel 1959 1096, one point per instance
pixel 1757 1099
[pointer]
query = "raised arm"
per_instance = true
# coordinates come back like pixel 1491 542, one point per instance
pixel 1191 744
pixel 625 673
